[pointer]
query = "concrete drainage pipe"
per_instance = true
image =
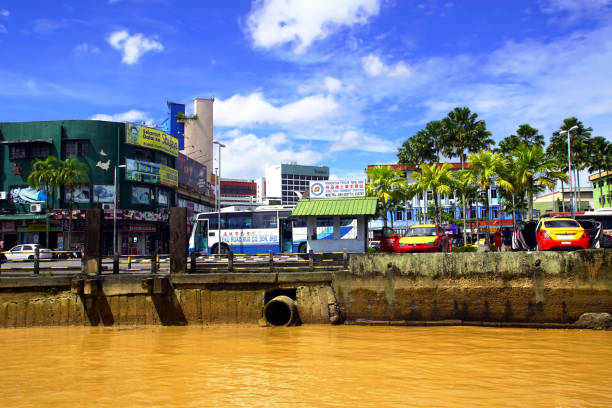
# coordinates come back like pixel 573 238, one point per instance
pixel 281 311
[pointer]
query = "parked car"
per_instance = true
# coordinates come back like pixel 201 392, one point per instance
pixel 422 238
pixel 26 252
pixel 593 229
pixel 560 233
pixel 387 240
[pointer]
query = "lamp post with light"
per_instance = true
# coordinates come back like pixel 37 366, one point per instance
pixel 120 166
pixel 219 198
pixel 569 167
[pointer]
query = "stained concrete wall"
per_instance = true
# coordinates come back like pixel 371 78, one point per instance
pixel 390 288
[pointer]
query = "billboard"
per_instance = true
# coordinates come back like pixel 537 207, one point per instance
pixel 337 188
pixel 103 193
pixel 152 138
pixel 26 195
pixel 152 173
pixel 191 172
pixel 79 195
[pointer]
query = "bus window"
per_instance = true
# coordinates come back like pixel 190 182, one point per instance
pixel 239 221
pixel 299 222
pixel 264 220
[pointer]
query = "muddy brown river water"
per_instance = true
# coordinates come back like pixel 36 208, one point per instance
pixel 309 366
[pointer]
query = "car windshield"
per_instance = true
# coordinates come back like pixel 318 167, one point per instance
pixel 421 232
pixel 561 224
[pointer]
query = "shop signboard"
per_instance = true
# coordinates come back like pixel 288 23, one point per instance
pixel 103 193
pixel 337 188
pixel 152 138
pixel 191 172
pixel 152 173
pixel 142 228
pixel 141 195
pixel 79 194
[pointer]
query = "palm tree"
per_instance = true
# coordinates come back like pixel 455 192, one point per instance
pixel 43 175
pixel 524 134
pixel 486 166
pixel 71 174
pixel 388 185
pixel 437 178
pixel 599 150
pixel 434 130
pixel 418 149
pixel 557 148
pixel 463 132
pixel 509 182
pixel 464 186
pixel 579 143
pixel 536 168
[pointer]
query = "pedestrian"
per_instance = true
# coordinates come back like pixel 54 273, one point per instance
pixel 507 240
pixel 497 240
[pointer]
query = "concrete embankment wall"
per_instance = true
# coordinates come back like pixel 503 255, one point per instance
pixel 536 287
pixel 399 288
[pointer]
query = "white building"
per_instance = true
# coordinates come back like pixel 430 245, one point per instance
pixel 287 182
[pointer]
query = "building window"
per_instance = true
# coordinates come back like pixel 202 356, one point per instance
pixel 17 151
pixel 495 213
pixel 409 216
pixel 451 196
pixel 493 193
pixel 163 159
pixel 143 155
pixel 40 150
pixel 76 148
pixel 429 195
pixel 399 215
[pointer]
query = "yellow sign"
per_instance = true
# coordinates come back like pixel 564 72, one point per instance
pixel 151 138
pixel 168 176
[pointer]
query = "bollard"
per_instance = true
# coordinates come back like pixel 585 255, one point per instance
pixel 115 263
pixel 271 260
pixel 345 259
pixel 36 261
pixel 193 262
pixel 129 262
pixel 310 260
pixel 230 261
pixel 154 263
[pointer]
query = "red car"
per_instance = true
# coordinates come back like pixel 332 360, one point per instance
pixel 560 233
pixel 422 238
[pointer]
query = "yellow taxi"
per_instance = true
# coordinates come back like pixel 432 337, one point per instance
pixel 560 233
pixel 420 238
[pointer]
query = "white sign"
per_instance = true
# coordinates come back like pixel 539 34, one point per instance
pixel 337 188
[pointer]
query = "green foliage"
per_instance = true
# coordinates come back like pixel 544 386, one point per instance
pixel 181 116
pixel 458 249
pixel 433 177
pixel 388 185
pixel 464 133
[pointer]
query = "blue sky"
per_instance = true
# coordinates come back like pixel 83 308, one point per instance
pixel 339 83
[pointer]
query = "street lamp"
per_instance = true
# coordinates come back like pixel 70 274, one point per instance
pixel 219 198
pixel 120 166
pixel 569 167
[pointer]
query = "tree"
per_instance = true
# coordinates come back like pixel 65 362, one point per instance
pixel 434 130
pixel 416 150
pixel 510 185
pixel 388 185
pixel 536 168
pixel 579 147
pixel 71 174
pixel 464 133
pixel 436 178
pixel 525 134
pixel 486 166
pixel 463 185
pixel 44 175
pixel 600 159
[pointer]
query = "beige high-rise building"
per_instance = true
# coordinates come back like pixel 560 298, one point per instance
pixel 199 134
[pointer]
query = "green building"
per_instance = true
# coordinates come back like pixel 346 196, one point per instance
pixel 602 189
pixel 146 186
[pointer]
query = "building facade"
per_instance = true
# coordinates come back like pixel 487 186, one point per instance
pixel 602 189
pixel 146 187
pixel 560 201
pixel 287 182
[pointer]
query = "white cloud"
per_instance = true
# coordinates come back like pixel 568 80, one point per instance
pixel 373 66
pixel 574 7
pixel 132 46
pixel 333 85
pixel 3 29
pixel 299 23
pixel 4 13
pixel 353 140
pixel 132 115
pixel 251 154
pixel 84 48
pixel 253 109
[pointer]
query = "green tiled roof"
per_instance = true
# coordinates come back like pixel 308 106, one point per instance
pixel 336 206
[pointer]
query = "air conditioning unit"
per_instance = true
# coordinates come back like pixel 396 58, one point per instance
pixel 35 208
pixel 108 206
pixel 2 195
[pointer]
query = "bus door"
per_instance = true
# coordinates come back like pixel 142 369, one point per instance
pixel 200 240
pixel 286 235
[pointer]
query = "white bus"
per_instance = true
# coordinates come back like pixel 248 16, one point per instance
pixel 255 231
pixel 259 230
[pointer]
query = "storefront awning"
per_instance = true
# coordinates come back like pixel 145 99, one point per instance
pixel 26 141
pixel 335 206
pixel 17 217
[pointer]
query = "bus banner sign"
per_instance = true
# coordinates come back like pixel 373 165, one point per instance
pixel 337 188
